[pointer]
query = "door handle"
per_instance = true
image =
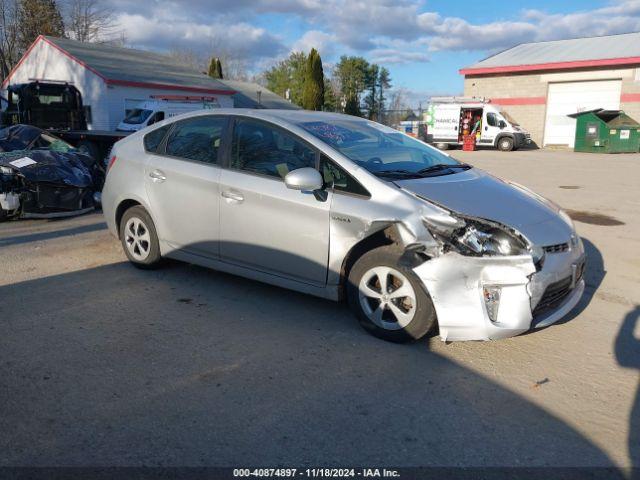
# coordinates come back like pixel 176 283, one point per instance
pixel 158 176
pixel 233 196
pixel 486 128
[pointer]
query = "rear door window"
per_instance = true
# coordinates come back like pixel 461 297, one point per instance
pixel 198 138
pixel 152 140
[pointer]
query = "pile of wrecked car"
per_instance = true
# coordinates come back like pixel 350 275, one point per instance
pixel 42 176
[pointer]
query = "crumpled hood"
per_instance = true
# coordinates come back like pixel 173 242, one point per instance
pixel 48 166
pixel 475 193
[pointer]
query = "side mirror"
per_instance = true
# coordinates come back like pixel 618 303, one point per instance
pixel 304 179
pixel 502 124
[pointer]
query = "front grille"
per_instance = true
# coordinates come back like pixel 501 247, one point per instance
pixel 557 248
pixel 553 296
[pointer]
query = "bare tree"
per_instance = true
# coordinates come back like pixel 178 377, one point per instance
pixel 88 21
pixel 9 36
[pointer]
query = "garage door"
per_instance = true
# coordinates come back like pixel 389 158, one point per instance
pixel 566 98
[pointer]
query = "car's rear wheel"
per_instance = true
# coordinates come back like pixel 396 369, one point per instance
pixel 442 146
pixel 388 298
pixel 139 238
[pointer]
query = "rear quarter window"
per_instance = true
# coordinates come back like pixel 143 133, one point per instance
pixel 153 140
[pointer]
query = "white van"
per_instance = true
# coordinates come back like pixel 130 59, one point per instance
pixel 449 119
pixel 152 111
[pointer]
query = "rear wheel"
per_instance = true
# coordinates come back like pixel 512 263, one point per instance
pixel 505 144
pixel 139 238
pixel 442 146
pixel 389 299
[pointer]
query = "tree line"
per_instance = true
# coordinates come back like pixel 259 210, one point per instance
pixel 355 86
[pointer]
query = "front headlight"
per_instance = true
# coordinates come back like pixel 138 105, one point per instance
pixel 6 170
pixel 477 238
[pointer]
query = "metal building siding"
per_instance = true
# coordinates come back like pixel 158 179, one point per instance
pixel 571 97
pixel 45 62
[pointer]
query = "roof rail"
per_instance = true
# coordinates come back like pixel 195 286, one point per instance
pixel 455 99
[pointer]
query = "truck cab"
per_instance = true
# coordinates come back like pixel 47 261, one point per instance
pixel 153 111
pixel 448 123
pixel 46 105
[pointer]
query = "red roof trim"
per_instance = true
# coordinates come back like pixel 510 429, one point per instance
pixel 78 61
pixel 520 101
pixel 127 83
pixel 630 97
pixel 550 66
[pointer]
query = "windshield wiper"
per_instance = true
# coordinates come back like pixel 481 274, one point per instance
pixel 397 173
pixel 443 166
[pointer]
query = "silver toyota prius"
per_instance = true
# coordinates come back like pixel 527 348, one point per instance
pixel 345 208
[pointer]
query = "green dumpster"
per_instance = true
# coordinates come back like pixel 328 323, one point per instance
pixel 606 131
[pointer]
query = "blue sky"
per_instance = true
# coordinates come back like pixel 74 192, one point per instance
pixel 423 43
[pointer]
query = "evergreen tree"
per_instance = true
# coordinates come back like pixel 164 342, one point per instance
pixel 215 68
pixel 352 106
pixel 288 75
pixel 313 92
pixel 384 83
pixel 38 17
pixel 330 99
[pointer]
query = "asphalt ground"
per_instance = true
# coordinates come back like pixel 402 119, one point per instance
pixel 102 364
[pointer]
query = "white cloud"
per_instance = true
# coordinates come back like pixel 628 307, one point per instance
pixel 386 31
pixel 241 39
pixel 323 42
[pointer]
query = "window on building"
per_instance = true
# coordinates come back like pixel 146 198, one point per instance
pixel 197 138
pixel 266 150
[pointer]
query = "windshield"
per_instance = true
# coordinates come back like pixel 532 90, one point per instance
pixel 509 118
pixel 137 116
pixel 381 150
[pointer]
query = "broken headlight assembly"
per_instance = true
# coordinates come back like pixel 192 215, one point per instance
pixel 475 237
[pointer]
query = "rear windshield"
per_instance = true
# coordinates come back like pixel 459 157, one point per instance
pixel 137 116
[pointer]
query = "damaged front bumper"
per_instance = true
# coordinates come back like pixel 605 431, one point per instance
pixel 492 297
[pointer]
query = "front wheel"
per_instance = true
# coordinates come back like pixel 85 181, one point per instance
pixel 389 299
pixel 505 144
pixel 139 238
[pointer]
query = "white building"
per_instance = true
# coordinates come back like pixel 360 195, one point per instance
pixel 113 79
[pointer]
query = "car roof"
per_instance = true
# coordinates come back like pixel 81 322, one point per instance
pixel 291 116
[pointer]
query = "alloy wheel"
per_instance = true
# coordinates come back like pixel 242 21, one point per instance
pixel 137 239
pixel 387 298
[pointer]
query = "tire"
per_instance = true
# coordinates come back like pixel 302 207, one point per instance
pixel 442 146
pixel 139 238
pixel 505 144
pixel 403 318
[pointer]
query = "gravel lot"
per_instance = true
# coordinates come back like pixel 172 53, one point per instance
pixel 103 364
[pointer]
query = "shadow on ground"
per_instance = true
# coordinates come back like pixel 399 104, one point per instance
pixel 187 366
pixel 627 350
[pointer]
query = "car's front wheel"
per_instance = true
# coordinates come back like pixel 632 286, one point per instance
pixel 388 298
pixel 139 238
